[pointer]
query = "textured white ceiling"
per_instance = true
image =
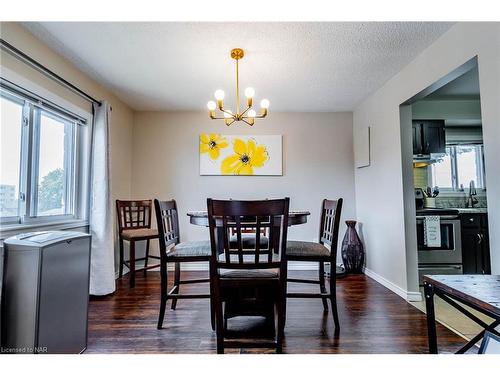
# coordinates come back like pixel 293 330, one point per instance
pixel 297 66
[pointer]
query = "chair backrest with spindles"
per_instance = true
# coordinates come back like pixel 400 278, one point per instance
pixel 226 216
pixel 133 214
pixel 329 224
pixel 167 219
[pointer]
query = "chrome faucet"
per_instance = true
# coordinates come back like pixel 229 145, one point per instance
pixel 471 200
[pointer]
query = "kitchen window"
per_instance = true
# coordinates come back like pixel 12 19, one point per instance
pixel 41 173
pixel 461 164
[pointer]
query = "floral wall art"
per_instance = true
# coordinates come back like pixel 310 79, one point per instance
pixel 240 155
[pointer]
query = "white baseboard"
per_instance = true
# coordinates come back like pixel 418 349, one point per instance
pixel 408 296
pixel 414 296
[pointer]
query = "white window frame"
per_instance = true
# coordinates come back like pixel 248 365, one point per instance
pixel 20 206
pixel 454 169
pixel 78 173
pixel 33 166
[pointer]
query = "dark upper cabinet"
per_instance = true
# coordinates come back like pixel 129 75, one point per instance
pixel 417 138
pixel 475 244
pixel 428 137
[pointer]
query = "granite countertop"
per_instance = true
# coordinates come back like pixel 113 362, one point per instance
pixel 472 210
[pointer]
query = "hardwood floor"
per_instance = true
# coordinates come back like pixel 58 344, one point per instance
pixel 372 320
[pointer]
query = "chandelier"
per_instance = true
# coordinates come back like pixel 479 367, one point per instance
pixel 248 115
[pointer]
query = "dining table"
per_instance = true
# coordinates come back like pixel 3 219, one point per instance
pixel 201 217
pixel 295 217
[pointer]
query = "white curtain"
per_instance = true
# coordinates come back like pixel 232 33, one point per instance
pixel 102 267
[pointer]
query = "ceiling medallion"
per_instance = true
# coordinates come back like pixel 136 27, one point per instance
pixel 249 115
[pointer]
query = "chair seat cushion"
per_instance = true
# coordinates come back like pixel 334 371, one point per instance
pixel 191 249
pixel 143 233
pixel 306 249
pixel 268 273
pixel 248 241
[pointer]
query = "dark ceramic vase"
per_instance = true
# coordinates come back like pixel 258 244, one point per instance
pixel 353 253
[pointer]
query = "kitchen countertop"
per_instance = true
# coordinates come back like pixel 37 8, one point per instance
pixel 470 210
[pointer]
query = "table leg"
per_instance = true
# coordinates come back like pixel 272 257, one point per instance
pixel 431 318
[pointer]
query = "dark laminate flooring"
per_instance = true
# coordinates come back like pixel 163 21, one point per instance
pixel 372 318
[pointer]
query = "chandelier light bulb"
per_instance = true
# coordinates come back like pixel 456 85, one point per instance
pixel 219 95
pixel 264 103
pixel 249 92
pixel 252 113
pixel 228 115
pixel 211 105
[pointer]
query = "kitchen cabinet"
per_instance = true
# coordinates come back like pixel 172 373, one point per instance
pixel 475 243
pixel 428 137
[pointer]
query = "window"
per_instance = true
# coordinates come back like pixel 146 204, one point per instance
pixel 441 171
pixel 460 165
pixel 39 164
pixel 53 166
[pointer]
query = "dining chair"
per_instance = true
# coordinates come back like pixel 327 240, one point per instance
pixel 234 268
pixel 325 250
pixel 134 224
pixel 176 252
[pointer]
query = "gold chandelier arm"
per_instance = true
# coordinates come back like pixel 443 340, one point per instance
pixel 229 123
pixel 260 116
pixel 245 111
pixel 246 122
pixel 229 113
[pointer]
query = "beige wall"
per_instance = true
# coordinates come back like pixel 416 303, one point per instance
pixel 121 116
pixel 317 164
pixel 381 188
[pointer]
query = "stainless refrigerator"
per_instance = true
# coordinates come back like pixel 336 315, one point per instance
pixel 46 292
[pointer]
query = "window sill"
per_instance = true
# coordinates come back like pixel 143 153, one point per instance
pixel 14 229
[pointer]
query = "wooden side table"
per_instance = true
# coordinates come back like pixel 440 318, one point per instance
pixel 479 292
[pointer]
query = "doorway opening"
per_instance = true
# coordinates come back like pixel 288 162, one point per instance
pixel 445 179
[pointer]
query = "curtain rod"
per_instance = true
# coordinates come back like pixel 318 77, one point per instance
pixel 49 73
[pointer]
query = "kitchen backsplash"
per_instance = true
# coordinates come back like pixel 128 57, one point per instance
pixel 420 177
pixel 459 202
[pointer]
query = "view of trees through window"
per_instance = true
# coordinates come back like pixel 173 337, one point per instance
pixel 50 192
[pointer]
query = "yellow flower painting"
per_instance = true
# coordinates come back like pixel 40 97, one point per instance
pixel 212 144
pixel 247 156
pixel 240 155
